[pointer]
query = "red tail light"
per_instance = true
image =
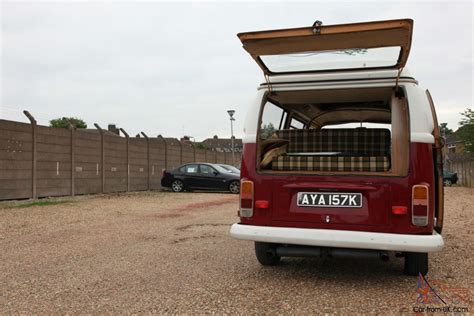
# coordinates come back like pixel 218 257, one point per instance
pixel 420 205
pixel 399 210
pixel 246 198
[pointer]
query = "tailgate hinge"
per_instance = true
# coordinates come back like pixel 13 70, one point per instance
pixel 317 27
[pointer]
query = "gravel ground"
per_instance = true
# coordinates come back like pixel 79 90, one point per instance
pixel 171 253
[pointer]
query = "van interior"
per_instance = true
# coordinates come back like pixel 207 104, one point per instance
pixel 336 131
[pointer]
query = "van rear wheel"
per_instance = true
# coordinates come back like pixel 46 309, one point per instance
pixel 266 254
pixel 416 263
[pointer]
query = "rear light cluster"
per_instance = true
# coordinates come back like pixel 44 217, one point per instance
pixel 420 205
pixel 246 198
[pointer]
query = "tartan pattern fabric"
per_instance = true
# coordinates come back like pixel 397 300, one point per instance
pixel 331 163
pixel 357 142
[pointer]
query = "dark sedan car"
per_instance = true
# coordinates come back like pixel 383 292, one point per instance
pixel 205 176
pixel 449 178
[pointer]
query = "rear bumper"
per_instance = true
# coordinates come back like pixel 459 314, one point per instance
pixel 339 238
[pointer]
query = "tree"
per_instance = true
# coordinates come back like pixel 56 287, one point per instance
pixel 267 131
pixel 200 146
pixel 466 131
pixel 64 122
pixel 444 129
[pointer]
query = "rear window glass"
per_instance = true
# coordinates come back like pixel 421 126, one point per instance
pixel 333 60
pixel 191 169
pixel 206 169
pixel 296 124
pixel 272 120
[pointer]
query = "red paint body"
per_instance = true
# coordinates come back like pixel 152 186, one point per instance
pixel 379 195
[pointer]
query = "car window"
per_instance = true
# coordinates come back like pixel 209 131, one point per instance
pixel 191 168
pixel 206 169
pixel 296 124
pixel 272 120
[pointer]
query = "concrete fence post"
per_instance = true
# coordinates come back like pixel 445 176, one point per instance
pixel 166 150
pixel 127 137
pixel 180 152
pixel 33 153
pixel 216 145
pixel 102 155
pixel 72 128
pixel 147 159
pixel 194 151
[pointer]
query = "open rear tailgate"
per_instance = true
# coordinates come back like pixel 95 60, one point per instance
pixel 368 45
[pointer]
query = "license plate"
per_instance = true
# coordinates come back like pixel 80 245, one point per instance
pixel 329 199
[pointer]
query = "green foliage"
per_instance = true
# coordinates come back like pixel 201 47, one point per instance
pixel 466 131
pixel 444 129
pixel 63 122
pixel 200 145
pixel 267 131
pixel 41 203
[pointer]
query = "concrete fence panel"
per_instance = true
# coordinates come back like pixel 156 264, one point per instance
pixel 174 154
pixel 53 165
pixel 15 160
pixel 116 167
pixel 157 161
pixel 221 157
pixel 39 161
pixel 201 155
pixel 188 152
pixel 87 162
pixel 139 175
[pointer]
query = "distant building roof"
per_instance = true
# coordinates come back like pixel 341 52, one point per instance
pixel 223 144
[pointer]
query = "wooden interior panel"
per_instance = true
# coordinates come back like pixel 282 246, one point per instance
pixel 400 139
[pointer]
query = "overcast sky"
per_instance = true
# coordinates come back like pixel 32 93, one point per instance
pixel 175 68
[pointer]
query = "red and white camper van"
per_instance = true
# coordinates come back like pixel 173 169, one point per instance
pixel 342 152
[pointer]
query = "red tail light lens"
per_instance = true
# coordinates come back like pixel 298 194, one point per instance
pixel 399 210
pixel 263 204
pixel 246 198
pixel 420 205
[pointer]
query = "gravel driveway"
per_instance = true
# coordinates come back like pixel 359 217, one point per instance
pixel 166 252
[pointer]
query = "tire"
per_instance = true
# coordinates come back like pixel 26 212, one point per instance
pixel 447 182
pixel 265 253
pixel 416 263
pixel 177 186
pixel 234 187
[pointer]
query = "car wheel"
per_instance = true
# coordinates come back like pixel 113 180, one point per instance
pixel 416 263
pixel 447 182
pixel 265 253
pixel 234 187
pixel 177 186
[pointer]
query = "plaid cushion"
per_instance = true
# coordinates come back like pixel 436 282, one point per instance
pixel 331 163
pixel 358 141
